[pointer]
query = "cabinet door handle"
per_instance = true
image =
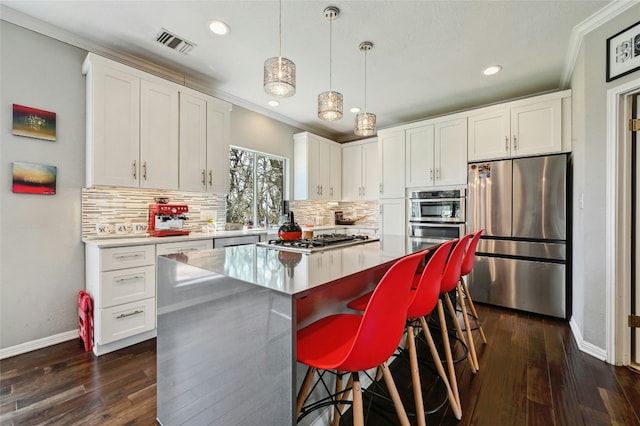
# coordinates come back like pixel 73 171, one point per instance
pixel 438 173
pixel 203 177
pixel 381 188
pixel 128 256
pixel 210 177
pixel 133 278
pixel 135 170
pixel 331 191
pixel 431 174
pixel 144 170
pixel 506 143
pixel 515 142
pixel 136 312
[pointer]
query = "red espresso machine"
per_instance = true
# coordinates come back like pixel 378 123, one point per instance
pixel 167 219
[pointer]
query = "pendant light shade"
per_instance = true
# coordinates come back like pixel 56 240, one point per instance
pixel 279 73
pixel 330 102
pixel 365 121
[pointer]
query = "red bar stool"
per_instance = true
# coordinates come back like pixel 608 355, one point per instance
pixel 352 343
pixel 449 283
pixel 423 300
pixel 467 265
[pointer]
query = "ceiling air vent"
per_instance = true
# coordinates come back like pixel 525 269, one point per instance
pixel 175 42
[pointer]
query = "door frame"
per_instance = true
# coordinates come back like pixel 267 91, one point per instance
pixel 618 223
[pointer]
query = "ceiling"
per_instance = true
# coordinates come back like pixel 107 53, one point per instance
pixel 427 58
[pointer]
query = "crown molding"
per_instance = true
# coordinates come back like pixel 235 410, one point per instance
pixel 610 11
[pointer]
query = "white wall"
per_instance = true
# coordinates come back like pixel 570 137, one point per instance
pixel 41 255
pixel 590 90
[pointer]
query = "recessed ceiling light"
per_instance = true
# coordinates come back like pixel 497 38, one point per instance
pixel 493 69
pixel 219 27
pixel 274 103
pixel 355 110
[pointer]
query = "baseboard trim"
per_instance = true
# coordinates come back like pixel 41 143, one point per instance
pixel 586 347
pixel 38 344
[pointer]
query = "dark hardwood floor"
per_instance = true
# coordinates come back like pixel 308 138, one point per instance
pixel 531 373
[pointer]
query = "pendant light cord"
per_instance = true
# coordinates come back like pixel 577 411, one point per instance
pixel 330 53
pixel 365 80
pixel 280 30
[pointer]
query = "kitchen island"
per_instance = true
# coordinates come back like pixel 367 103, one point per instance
pixel 227 320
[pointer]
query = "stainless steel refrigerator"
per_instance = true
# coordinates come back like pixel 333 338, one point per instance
pixel 522 257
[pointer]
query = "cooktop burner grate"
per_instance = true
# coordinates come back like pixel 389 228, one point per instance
pixel 320 241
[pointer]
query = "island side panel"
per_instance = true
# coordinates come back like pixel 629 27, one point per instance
pixel 224 349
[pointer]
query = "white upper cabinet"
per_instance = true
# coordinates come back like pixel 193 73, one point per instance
pixel 391 158
pixel 360 170
pixel 159 109
pixel 143 131
pixel 204 143
pixel 534 126
pixel 315 177
pixel 113 125
pixel 335 173
pixel 436 154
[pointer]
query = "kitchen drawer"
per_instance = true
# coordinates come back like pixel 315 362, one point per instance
pixel 127 285
pixel 183 247
pixel 127 257
pixel 126 320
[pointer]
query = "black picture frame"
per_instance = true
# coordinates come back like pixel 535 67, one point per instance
pixel 623 52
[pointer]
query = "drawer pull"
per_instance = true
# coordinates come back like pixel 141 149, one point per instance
pixel 136 312
pixel 128 256
pixel 134 278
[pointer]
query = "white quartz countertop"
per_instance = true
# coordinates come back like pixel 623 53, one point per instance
pixel 132 239
pixel 297 273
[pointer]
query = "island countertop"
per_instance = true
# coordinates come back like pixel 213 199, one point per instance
pixel 296 274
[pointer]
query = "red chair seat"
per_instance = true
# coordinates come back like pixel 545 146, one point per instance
pixel 326 343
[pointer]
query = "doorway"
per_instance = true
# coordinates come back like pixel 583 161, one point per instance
pixel 634 309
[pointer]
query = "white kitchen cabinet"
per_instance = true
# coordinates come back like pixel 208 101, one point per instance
pixel 183 246
pixel 436 154
pixel 122 283
pixel 312 167
pixel 159 123
pixel 391 160
pixel 204 143
pixel 132 127
pixel 360 170
pixel 392 216
pixel 521 128
pixel 335 172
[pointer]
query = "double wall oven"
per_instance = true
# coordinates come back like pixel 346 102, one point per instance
pixel 438 214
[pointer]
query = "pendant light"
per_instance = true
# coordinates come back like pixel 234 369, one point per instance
pixel 279 73
pixel 365 121
pixel 330 102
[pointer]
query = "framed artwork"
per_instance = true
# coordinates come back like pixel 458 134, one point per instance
pixel 34 123
pixel 623 52
pixel 33 178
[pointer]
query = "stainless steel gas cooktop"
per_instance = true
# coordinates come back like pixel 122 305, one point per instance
pixel 319 242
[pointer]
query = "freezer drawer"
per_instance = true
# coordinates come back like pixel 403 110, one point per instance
pixel 557 251
pixel 531 286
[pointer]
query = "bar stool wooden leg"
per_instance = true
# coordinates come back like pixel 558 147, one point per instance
pixel 447 351
pixel 358 411
pixel 415 376
pixel 467 326
pixel 473 309
pixel 337 407
pixel 343 397
pixel 304 389
pixel 457 410
pixel 395 397
pixel 456 324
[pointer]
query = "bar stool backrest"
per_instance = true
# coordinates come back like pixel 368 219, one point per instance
pixel 452 269
pixel 425 296
pixel 383 320
pixel 470 255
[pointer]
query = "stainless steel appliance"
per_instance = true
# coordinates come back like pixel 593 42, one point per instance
pixel 167 219
pixel 521 260
pixel 438 214
pixel 318 243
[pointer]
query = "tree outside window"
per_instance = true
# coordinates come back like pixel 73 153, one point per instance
pixel 256 187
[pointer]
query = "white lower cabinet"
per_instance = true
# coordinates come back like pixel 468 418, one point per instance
pixel 122 283
pixel 183 247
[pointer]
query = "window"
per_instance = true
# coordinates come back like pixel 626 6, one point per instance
pixel 256 187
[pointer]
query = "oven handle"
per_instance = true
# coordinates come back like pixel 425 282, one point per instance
pixel 445 221
pixel 432 224
pixel 435 200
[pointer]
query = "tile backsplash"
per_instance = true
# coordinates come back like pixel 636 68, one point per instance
pixel 130 205
pixel 306 211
